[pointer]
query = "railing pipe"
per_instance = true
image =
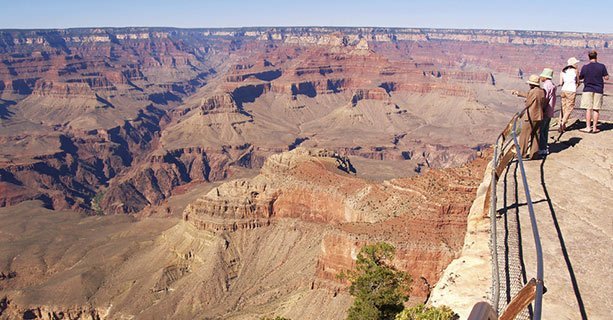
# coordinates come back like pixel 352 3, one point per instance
pixel 495 271
pixel 538 301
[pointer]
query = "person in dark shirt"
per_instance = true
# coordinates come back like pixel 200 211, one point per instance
pixel 593 75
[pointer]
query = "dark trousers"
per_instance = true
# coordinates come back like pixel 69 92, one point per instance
pixel 528 139
pixel 544 134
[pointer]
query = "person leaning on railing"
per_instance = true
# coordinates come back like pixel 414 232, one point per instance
pixel 535 104
pixel 546 78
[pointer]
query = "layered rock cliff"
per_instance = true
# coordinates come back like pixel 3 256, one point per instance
pixel 424 217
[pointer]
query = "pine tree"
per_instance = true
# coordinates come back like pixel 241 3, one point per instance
pixel 378 287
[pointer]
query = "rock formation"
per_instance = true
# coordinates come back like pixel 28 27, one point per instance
pixel 423 216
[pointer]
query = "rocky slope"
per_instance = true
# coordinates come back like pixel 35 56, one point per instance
pixel 271 244
pixel 422 216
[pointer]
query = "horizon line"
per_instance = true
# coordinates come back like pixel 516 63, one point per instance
pixel 297 26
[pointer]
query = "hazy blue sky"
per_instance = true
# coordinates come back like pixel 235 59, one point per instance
pixel 517 14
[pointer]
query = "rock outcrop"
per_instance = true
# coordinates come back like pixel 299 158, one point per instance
pixel 78 162
pixel 251 203
pixel 424 217
pixel 52 312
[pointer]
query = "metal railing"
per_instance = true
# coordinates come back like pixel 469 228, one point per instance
pixel 493 228
pixel 503 155
pixel 538 300
pixel 533 290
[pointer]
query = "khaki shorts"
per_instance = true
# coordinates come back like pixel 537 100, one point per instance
pixel 568 102
pixel 591 100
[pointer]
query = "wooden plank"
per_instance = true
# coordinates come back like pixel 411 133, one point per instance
pixel 482 311
pixel 487 202
pixel 523 298
pixel 506 159
pixel 507 131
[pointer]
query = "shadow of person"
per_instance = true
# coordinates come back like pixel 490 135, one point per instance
pixel 563 145
pixel 569 265
pixel 575 125
pixel 605 126
pixel 580 124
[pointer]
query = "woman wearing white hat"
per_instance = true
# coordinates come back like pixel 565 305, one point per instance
pixel 569 80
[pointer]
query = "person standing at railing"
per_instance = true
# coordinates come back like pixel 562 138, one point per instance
pixel 593 75
pixel 546 78
pixel 535 104
pixel 569 81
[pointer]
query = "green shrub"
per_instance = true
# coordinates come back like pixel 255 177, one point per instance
pixel 95 203
pixel 378 287
pixel 422 312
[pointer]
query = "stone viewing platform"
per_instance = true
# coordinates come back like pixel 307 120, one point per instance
pixel 570 191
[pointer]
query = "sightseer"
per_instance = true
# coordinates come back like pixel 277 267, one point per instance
pixel 569 81
pixel 535 103
pixel 546 78
pixel 593 75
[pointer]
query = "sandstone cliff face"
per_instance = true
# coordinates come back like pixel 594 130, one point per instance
pixel 52 312
pixel 306 36
pixel 250 257
pixel 424 217
pixel 153 181
pixel 252 203
pixel 95 106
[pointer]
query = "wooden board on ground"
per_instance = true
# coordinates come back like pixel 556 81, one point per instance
pixel 523 298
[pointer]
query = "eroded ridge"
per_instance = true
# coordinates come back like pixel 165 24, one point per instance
pixel 423 216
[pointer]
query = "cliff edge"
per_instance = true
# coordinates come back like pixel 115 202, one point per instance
pixel 570 191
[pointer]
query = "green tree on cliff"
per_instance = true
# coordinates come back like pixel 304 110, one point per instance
pixel 423 312
pixel 378 287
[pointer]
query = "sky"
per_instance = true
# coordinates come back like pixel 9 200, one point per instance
pixel 561 15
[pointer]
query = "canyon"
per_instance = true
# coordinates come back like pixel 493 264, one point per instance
pixel 234 173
